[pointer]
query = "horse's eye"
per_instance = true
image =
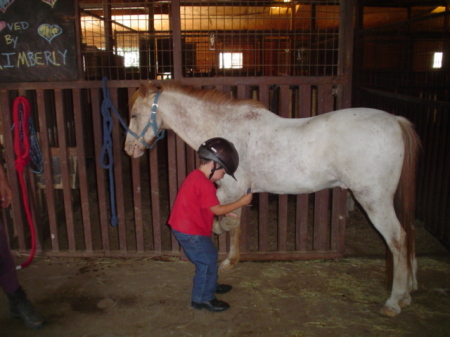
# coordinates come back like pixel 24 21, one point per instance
pixel 133 116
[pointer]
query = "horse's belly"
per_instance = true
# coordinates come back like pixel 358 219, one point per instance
pixel 289 186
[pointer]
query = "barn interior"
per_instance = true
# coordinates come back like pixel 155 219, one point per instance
pixel 300 58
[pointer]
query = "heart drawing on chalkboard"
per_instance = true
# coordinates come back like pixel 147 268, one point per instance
pixel 4 4
pixel 50 2
pixel 49 32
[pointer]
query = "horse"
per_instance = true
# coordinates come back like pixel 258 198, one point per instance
pixel 371 152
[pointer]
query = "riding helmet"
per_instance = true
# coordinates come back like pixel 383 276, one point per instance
pixel 222 152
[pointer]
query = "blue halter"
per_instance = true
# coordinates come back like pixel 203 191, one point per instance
pixel 151 122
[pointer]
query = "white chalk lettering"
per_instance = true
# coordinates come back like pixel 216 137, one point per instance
pixel 11 40
pixel 18 25
pixel 8 60
pixel 50 58
pixel 33 59
pixel 63 55
pixel 22 59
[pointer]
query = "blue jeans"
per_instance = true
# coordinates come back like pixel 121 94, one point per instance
pixel 201 251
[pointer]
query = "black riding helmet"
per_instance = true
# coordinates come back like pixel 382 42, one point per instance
pixel 222 152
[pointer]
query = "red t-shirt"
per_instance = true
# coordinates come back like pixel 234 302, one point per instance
pixel 191 212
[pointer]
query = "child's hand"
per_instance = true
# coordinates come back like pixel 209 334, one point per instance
pixel 246 199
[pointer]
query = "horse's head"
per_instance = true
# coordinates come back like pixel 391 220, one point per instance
pixel 141 127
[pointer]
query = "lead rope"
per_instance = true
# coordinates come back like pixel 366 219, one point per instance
pixel 107 156
pixel 21 116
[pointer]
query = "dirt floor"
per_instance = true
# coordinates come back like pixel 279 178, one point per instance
pixel 143 297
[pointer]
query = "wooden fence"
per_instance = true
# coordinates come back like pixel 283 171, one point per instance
pixel 71 198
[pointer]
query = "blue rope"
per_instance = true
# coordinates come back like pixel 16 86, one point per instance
pixel 106 156
pixel 35 150
pixel 37 163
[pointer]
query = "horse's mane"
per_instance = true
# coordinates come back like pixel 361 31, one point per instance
pixel 207 95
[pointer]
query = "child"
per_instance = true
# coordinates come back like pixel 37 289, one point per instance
pixel 193 214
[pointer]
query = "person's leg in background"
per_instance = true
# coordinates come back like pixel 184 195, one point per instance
pixel 19 305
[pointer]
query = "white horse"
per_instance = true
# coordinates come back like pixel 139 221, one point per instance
pixel 371 152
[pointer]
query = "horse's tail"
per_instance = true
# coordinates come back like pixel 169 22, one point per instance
pixel 405 196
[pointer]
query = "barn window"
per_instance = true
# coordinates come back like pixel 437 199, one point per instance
pixel 437 60
pixel 130 55
pixel 230 61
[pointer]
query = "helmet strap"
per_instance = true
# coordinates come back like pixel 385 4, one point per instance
pixel 215 168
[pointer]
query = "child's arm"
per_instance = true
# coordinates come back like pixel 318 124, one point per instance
pixel 228 208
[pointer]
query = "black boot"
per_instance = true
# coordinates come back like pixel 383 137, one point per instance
pixel 21 307
pixel 214 305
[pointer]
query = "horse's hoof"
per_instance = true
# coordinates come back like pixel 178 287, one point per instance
pixel 226 265
pixel 389 311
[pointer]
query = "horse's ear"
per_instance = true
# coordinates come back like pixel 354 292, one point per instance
pixel 152 86
pixel 145 88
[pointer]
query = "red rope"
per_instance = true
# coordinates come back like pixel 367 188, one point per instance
pixel 22 151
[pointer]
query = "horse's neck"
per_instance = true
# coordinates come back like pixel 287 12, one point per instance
pixel 188 118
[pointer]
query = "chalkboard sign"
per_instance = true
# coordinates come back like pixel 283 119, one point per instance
pixel 37 41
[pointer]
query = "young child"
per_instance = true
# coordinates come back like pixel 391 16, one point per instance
pixel 193 214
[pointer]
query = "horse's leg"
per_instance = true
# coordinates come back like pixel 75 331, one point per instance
pixel 231 224
pixel 234 254
pixel 383 217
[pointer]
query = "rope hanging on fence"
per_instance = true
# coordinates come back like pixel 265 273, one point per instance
pixel 107 156
pixel 36 161
pixel 21 118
